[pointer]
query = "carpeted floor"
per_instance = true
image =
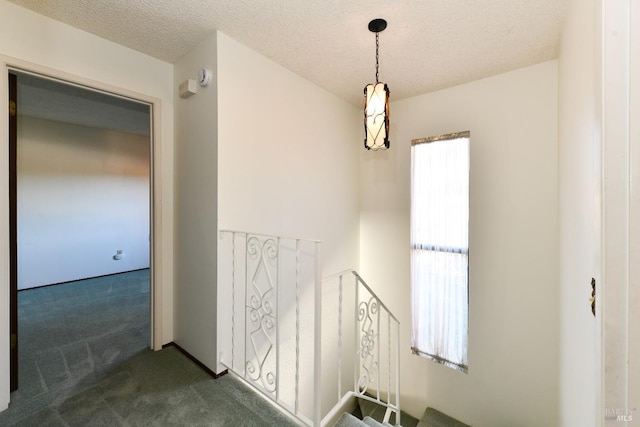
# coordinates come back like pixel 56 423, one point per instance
pixel 85 361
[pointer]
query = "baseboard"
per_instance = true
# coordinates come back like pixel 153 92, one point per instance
pixel 83 278
pixel 196 361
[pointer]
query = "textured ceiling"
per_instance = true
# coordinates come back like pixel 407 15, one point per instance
pixel 428 44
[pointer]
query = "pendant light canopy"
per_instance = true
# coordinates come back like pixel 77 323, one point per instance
pixel 376 103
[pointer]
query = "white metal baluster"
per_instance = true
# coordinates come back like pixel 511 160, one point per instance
pixel 398 374
pixel 340 338
pixel 378 349
pixel 233 299
pixel 246 302
pixel 277 315
pixel 389 357
pixel 297 399
pixel 356 366
pixel 317 339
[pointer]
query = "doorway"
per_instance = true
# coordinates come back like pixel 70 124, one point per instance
pixel 115 97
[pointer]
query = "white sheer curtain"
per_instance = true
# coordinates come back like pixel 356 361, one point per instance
pixel 440 248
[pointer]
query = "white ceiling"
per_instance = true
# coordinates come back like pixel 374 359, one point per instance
pixel 428 44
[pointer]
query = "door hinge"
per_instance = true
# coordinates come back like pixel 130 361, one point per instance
pixel 12 108
pixel 593 296
pixel 14 341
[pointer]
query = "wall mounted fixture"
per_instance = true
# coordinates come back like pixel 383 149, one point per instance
pixel 187 88
pixel 376 103
pixel 204 76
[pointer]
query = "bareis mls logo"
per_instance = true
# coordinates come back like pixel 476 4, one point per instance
pixel 618 414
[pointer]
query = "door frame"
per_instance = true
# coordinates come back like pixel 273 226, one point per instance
pixel 618 299
pixel 13 219
pixel 155 179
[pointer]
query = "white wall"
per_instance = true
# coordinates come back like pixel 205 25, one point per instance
pixel 83 194
pixel 250 154
pixel 196 210
pixel 513 289
pixel 579 195
pixel 26 37
pixel 288 155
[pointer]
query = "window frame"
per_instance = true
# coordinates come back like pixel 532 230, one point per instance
pixel 461 364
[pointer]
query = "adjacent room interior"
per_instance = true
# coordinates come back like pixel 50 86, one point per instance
pixel 83 210
pixel 83 163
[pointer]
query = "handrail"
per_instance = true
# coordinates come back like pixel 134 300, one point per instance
pixel 281 236
pixel 355 273
pixel 271 296
pixel 337 275
pixel 334 276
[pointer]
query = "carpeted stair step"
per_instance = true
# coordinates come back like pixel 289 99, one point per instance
pixel 375 411
pixel 373 423
pixel 434 418
pixel 348 420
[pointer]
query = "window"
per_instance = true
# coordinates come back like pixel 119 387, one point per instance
pixel 440 248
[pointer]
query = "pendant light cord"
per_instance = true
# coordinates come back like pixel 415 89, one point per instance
pixel 377 46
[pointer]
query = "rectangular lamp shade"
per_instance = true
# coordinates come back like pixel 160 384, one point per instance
pixel 376 116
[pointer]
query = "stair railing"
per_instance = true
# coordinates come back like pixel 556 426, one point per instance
pixel 375 368
pixel 287 334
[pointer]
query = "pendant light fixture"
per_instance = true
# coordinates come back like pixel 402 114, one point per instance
pixel 376 103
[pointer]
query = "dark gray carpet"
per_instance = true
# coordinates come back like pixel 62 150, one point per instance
pixel 85 361
pixel 434 418
pixel 367 408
